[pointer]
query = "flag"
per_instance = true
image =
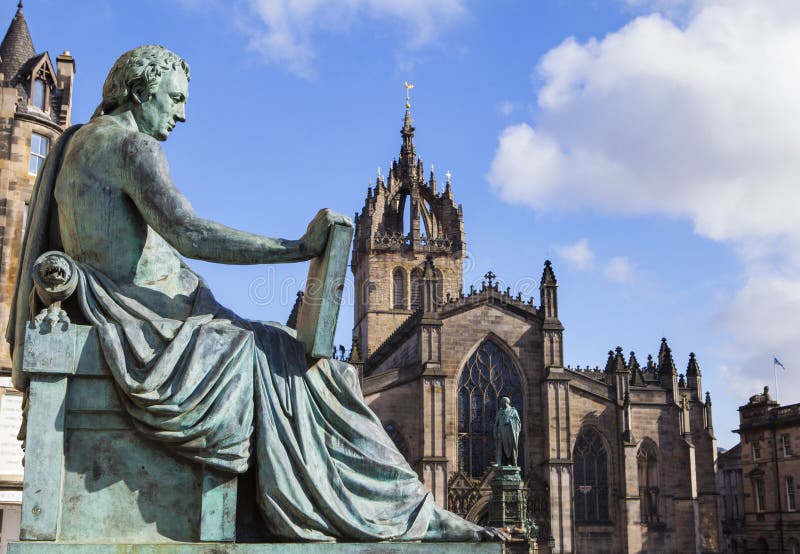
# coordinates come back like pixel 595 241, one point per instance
pixel 775 361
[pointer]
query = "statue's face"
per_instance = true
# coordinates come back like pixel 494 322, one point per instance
pixel 159 114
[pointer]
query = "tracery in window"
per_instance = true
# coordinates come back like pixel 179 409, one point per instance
pixel 488 376
pixel 647 459
pixel 590 478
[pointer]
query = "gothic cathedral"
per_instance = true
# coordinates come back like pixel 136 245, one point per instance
pixel 614 459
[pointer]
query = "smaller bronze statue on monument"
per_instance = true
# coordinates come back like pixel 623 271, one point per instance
pixel 506 433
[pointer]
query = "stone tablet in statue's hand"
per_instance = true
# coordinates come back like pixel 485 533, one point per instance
pixel 317 232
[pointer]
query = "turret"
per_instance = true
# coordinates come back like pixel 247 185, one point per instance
pixel 667 373
pixel 16 48
pixel 618 373
pixel 553 330
pixel 693 376
pixel 708 420
pixel 548 292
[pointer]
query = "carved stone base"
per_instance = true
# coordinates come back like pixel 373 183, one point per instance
pixel 270 548
pixel 508 507
pixel 508 510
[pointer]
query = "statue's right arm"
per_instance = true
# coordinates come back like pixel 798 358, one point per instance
pixel 169 212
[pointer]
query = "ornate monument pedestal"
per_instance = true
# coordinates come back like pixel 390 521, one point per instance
pixel 271 548
pixel 508 510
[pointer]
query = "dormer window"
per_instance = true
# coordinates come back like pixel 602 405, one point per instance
pixel 41 80
pixel 39 94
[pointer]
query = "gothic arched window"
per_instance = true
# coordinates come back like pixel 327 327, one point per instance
pixel 647 459
pixel 590 478
pixel 399 289
pixel 488 375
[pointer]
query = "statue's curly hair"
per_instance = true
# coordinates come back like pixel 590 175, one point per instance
pixel 137 71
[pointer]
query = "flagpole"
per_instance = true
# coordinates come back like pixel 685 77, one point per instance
pixel 775 369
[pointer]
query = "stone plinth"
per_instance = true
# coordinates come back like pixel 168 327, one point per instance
pixel 508 509
pixel 508 498
pixel 271 548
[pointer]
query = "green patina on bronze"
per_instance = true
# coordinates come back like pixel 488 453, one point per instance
pixel 222 395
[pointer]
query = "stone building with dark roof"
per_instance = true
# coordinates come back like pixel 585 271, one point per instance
pixel 615 459
pixel 35 108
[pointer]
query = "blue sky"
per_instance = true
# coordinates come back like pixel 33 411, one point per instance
pixel 649 148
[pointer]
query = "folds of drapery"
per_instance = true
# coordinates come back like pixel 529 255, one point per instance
pixel 229 392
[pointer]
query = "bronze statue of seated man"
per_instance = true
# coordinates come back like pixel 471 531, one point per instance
pixel 211 386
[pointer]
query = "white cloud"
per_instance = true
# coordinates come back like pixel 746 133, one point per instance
pixel 618 270
pixel 699 122
pixel 578 255
pixel 695 119
pixel 284 31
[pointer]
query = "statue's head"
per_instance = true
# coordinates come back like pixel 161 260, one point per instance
pixel 505 402
pixel 153 83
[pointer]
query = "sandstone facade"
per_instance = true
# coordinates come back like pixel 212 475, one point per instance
pixel 615 459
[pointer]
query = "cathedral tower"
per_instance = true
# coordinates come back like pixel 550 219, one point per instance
pixel 404 220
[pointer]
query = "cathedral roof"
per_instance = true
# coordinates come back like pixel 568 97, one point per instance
pixel 17 46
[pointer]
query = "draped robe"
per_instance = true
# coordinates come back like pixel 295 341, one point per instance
pixel 224 391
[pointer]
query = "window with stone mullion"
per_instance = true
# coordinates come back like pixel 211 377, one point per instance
pixel 590 478
pixel 647 459
pixel 488 375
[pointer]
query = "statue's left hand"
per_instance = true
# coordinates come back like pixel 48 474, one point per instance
pixel 317 232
